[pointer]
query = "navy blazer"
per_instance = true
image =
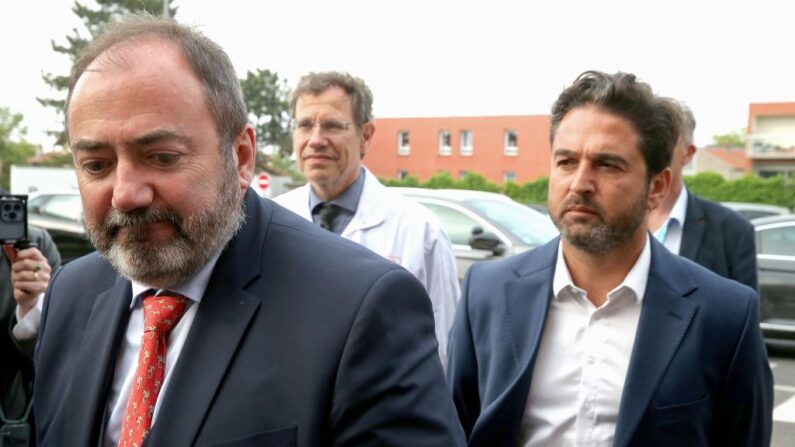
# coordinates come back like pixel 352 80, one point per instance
pixel 698 373
pixel 720 239
pixel 301 338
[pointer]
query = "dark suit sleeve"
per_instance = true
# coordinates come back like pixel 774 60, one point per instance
pixel 744 410
pixel 462 369
pixel 742 251
pixel 390 388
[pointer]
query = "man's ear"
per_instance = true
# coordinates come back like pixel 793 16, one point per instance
pixel 245 152
pixel 368 130
pixel 690 151
pixel 658 188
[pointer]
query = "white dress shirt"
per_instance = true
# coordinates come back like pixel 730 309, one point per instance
pixel 670 232
pixel 127 360
pixel 582 361
pixel 27 327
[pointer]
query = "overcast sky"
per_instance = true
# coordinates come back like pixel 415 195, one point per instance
pixel 459 57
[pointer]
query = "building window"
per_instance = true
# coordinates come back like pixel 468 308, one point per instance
pixel 403 143
pixel 511 147
pixel 402 174
pixel 445 148
pixel 509 176
pixel 462 174
pixel 466 143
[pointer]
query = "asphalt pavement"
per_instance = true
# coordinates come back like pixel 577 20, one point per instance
pixel 783 366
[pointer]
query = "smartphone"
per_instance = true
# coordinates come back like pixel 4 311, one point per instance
pixel 13 218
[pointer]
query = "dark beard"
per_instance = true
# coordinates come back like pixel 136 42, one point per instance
pixel 604 236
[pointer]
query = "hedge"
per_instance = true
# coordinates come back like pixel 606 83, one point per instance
pixel 774 191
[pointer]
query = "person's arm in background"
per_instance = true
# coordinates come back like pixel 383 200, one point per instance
pixel 31 270
pixel 443 287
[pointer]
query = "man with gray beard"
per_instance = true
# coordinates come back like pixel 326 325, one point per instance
pixel 603 337
pixel 210 316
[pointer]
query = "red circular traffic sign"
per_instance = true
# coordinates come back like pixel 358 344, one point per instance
pixel 263 180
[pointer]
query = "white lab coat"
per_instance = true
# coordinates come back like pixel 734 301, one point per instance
pixel 405 232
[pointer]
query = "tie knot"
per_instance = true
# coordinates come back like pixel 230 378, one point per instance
pixel 162 312
pixel 328 213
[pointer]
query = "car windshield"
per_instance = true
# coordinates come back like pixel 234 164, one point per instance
pixel 66 206
pixel 530 227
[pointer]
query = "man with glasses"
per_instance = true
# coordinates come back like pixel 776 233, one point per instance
pixel 332 130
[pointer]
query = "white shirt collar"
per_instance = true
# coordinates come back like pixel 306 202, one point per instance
pixel 680 207
pixel 192 289
pixel 635 280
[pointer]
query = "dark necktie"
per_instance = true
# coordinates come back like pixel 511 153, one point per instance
pixel 161 314
pixel 328 213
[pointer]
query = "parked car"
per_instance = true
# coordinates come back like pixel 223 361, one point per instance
pixel 483 225
pixel 61 215
pixel 775 248
pixel 756 210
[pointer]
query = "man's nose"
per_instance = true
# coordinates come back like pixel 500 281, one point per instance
pixel 316 137
pixel 583 180
pixel 132 188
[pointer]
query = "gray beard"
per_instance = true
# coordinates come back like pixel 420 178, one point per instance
pixel 198 238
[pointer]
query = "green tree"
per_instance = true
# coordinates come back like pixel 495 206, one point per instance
pixel 95 21
pixel 732 139
pixel 476 182
pixel 440 180
pixel 13 147
pixel 266 99
pixel 530 192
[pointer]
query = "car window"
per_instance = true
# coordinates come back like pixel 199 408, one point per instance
pixel 530 227
pixel 64 206
pixel 36 201
pixel 753 214
pixel 457 224
pixel 777 241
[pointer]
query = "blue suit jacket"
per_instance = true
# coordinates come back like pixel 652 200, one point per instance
pixel 301 338
pixel 698 373
pixel 719 239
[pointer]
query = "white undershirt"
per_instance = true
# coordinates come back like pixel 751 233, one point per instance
pixel 672 237
pixel 582 361
pixel 127 360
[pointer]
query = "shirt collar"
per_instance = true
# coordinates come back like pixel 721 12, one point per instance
pixel 349 199
pixel 680 207
pixel 635 280
pixel 192 289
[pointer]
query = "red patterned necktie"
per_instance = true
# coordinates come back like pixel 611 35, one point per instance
pixel 161 314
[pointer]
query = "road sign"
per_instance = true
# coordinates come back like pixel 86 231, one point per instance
pixel 263 180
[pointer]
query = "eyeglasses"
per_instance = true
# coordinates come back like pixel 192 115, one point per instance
pixel 329 128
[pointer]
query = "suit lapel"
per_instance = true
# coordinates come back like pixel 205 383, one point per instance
pixel 527 302
pixel 216 333
pixel 221 322
pixel 664 319
pixel 87 395
pixel 693 228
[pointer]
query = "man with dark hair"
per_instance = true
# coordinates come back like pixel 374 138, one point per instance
pixel 211 316
pixel 333 125
pixel 703 231
pixel 603 337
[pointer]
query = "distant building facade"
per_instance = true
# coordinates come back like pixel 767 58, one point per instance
pixel 500 148
pixel 516 148
pixel 731 163
pixel 770 144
